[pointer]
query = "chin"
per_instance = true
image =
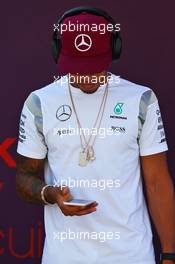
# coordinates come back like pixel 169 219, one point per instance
pixel 89 87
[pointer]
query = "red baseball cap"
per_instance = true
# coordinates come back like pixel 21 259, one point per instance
pixel 84 49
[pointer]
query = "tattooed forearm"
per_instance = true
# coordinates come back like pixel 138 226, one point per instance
pixel 29 180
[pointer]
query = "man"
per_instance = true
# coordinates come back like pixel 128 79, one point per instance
pixel 115 227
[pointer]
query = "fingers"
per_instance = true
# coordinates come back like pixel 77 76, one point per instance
pixel 63 195
pixel 83 207
pixel 86 211
pixel 94 204
pixel 69 210
pixel 65 190
pixel 67 197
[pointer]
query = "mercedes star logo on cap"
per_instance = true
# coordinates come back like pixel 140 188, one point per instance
pixel 64 112
pixel 83 42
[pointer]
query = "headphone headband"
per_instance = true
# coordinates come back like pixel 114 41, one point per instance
pixel 88 9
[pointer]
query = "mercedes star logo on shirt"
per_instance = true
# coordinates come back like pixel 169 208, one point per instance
pixel 83 42
pixel 64 112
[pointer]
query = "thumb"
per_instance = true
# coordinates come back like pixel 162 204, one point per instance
pixel 65 190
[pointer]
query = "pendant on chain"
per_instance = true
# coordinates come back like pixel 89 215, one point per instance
pixel 86 155
pixel 90 153
pixel 83 158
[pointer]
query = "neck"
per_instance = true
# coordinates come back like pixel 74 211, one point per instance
pixel 88 83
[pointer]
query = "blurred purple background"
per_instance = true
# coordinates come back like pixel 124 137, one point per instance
pixel 147 29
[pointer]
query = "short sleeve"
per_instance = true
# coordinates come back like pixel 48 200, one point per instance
pixel 31 142
pixel 152 138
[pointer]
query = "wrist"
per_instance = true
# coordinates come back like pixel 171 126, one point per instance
pixel 168 247
pixel 50 194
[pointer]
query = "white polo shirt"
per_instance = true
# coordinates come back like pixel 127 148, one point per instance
pixel 119 231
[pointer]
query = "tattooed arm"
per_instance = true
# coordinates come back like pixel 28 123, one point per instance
pixel 29 180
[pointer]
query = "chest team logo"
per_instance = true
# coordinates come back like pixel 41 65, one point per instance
pixel 83 42
pixel 118 108
pixel 64 112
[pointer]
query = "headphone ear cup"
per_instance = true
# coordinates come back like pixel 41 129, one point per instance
pixel 56 47
pixel 116 46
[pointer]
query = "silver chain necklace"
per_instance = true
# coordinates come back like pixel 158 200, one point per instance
pixel 87 150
